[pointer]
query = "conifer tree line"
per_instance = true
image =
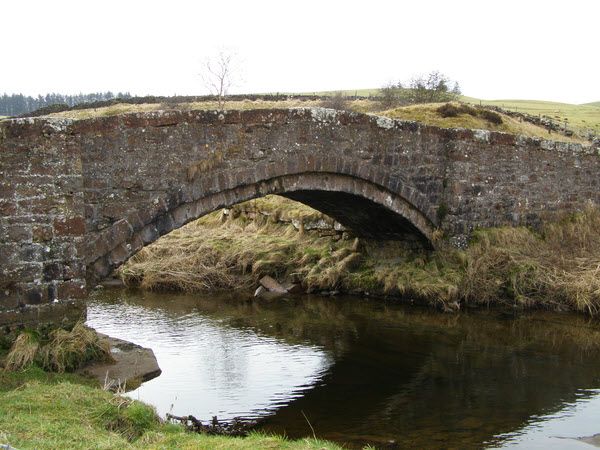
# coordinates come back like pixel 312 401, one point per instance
pixel 17 104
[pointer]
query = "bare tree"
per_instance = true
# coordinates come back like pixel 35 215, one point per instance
pixel 217 75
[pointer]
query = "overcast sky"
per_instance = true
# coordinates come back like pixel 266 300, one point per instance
pixel 528 49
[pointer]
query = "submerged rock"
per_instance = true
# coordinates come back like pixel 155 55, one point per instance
pixel 294 288
pixel 592 440
pixel 272 285
pixel 133 365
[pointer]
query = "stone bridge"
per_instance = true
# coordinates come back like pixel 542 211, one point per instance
pixel 78 198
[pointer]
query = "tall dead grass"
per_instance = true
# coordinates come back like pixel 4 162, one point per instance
pixel 63 351
pixel 557 267
pixel 23 352
pixel 212 254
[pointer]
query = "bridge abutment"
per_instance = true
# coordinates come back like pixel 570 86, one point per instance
pixel 42 225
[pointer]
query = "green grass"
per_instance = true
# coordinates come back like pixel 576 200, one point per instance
pixel 583 117
pixel 50 411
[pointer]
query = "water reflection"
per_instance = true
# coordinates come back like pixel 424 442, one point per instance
pixel 363 371
pixel 209 367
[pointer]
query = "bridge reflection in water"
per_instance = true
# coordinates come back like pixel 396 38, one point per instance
pixel 363 371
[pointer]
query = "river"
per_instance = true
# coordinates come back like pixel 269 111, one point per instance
pixel 363 371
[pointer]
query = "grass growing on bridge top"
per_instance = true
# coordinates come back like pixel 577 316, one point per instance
pixel 579 117
pixel 428 113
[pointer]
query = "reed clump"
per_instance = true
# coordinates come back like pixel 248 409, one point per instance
pixel 61 351
pixel 557 267
pixel 23 352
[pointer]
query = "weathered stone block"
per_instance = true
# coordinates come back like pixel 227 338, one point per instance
pixel 8 207
pixel 149 234
pixel 182 215
pixel 72 289
pixel 164 224
pixel 69 226
pixel 53 271
pixel 41 233
pixel 120 232
pixel 118 255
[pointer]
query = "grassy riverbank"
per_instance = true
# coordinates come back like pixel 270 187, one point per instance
pixel 42 410
pixel 44 407
pixel 556 268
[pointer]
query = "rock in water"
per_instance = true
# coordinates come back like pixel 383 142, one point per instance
pixel 592 440
pixel 272 285
pixel 294 288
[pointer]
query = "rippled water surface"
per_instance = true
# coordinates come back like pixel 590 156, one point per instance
pixel 365 371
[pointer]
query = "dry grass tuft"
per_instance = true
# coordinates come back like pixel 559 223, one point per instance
pixel 210 254
pixel 65 350
pixel 69 350
pixel 23 352
pixel 559 267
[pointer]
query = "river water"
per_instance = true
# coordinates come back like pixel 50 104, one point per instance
pixel 363 371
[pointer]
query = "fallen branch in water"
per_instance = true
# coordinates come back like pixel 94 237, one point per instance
pixel 237 427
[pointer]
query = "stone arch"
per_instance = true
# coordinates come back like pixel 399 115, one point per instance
pixel 403 214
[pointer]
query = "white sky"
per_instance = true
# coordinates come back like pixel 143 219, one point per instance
pixel 528 49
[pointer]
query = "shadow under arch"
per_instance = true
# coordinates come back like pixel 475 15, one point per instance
pixel 369 209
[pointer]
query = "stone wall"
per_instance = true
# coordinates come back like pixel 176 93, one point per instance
pixel 79 198
pixel 42 223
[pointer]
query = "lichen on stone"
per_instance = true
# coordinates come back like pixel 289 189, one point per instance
pixel 482 135
pixel 59 125
pixel 385 122
pixel 326 115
